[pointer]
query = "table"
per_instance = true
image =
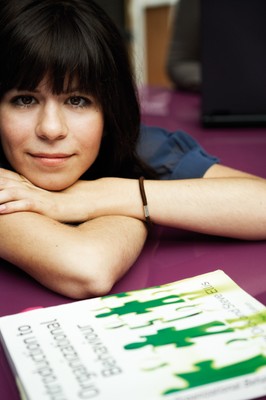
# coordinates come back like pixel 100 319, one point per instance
pixel 169 254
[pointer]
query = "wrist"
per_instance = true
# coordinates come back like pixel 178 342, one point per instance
pixel 119 196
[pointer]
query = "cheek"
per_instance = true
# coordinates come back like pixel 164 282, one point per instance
pixel 14 138
pixel 7 134
pixel 92 142
pixel 12 143
pixel 12 131
pixel 90 137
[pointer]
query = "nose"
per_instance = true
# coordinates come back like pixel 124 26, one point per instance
pixel 51 123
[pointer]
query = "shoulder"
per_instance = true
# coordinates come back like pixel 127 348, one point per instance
pixel 173 154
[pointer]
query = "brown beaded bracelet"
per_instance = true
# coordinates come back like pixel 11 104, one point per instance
pixel 144 202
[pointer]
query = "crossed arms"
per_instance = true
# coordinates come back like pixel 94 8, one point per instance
pixel 80 241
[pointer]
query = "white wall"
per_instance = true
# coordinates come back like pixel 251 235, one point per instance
pixel 136 9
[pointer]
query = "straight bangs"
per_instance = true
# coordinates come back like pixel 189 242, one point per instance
pixel 59 47
pixel 77 47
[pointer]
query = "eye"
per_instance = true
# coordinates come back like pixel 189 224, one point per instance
pixel 79 101
pixel 23 101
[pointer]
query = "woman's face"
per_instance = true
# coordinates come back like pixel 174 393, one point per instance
pixel 50 139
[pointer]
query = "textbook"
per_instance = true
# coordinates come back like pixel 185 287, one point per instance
pixel 198 338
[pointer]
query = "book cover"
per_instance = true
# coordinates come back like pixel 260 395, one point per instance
pixel 199 338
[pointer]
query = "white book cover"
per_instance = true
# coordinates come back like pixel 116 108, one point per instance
pixel 198 338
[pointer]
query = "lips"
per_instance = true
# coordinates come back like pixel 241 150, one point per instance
pixel 53 155
pixel 51 160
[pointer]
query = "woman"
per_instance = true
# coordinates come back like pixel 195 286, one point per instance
pixel 71 155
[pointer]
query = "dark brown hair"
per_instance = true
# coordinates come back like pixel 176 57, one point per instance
pixel 75 38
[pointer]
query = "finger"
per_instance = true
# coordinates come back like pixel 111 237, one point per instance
pixel 15 198
pixel 9 192
pixel 14 184
pixel 15 206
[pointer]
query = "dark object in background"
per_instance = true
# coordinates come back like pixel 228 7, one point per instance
pixel 183 60
pixel 233 62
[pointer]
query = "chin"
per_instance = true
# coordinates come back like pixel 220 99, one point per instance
pixel 53 186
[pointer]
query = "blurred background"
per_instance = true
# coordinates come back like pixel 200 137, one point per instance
pixel 215 47
pixel 146 25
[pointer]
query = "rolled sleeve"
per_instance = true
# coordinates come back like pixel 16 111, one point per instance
pixel 174 155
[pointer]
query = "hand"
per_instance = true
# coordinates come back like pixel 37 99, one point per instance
pixel 83 201
pixel 75 204
pixel 17 194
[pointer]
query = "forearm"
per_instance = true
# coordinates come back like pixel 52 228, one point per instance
pixel 80 261
pixel 233 207
pixel 225 202
pixel 226 207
